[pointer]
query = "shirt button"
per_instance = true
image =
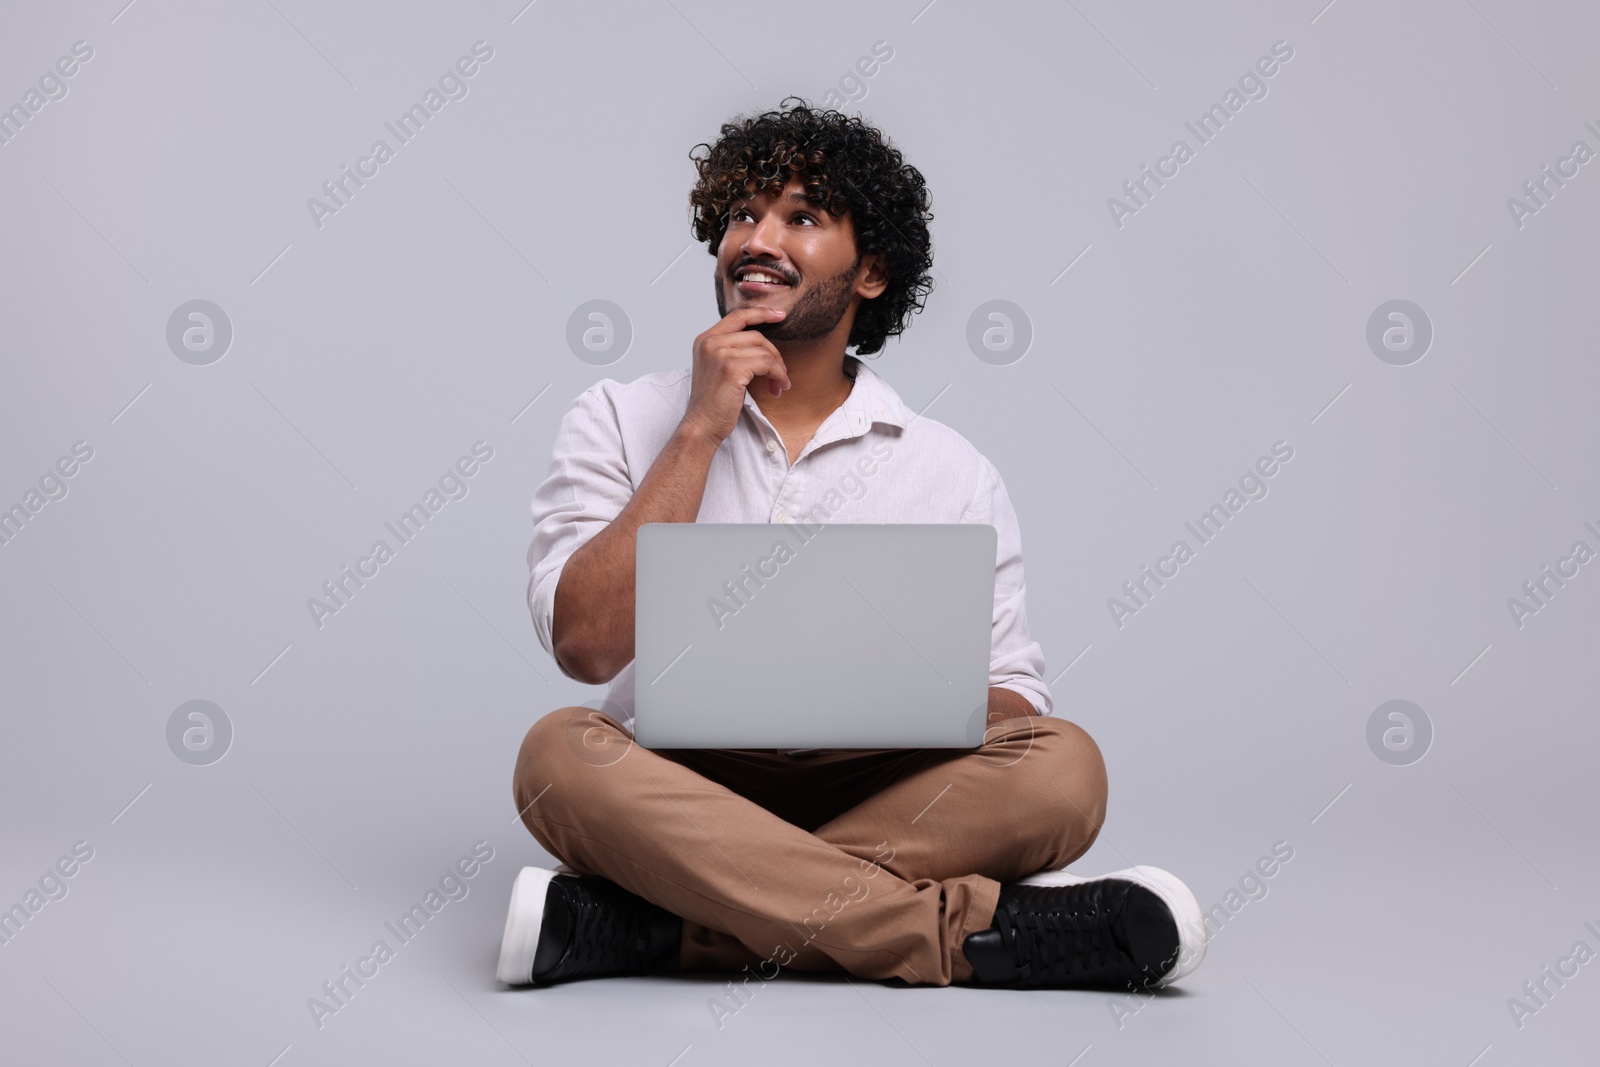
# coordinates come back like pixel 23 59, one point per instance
pixel 772 446
pixel 782 517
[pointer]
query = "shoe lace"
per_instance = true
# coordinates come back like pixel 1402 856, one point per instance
pixel 607 936
pixel 1060 933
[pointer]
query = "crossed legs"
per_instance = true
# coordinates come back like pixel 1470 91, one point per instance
pixel 877 863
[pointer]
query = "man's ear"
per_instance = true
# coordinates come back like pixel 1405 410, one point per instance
pixel 873 278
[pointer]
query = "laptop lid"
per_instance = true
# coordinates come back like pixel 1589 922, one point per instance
pixel 786 635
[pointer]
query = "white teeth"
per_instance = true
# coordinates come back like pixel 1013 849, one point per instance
pixel 757 276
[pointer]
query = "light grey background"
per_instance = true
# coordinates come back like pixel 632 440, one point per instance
pixel 431 312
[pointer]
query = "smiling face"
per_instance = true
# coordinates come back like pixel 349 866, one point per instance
pixel 808 259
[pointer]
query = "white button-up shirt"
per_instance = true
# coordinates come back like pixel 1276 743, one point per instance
pixel 871 460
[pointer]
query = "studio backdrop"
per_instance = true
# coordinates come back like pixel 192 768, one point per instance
pixel 1277 320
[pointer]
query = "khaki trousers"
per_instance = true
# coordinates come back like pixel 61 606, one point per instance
pixel 873 862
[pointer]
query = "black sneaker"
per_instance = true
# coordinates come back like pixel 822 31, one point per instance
pixel 1126 930
pixel 562 926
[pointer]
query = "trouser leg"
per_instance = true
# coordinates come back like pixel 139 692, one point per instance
pixel 660 829
pixel 1032 798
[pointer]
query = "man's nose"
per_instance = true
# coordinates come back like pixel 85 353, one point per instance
pixel 763 237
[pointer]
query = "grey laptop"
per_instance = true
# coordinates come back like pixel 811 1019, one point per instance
pixel 788 635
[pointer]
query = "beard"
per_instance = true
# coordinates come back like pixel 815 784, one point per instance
pixel 813 316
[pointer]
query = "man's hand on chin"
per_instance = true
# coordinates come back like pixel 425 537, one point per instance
pixel 1007 704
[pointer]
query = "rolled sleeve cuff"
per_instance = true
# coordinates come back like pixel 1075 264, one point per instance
pixel 542 604
pixel 1029 690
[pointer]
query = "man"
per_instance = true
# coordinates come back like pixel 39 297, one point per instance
pixel 885 864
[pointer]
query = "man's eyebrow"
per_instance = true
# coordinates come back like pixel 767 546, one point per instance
pixel 793 197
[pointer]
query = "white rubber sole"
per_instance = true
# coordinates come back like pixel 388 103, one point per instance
pixel 1192 936
pixel 523 919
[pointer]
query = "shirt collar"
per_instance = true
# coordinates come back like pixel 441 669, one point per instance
pixel 871 400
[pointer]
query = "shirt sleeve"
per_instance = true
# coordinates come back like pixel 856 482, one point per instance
pixel 587 486
pixel 1016 661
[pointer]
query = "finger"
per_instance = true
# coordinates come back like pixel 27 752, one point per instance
pixel 780 371
pixel 777 375
pixel 743 318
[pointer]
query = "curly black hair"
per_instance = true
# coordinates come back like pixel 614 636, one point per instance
pixel 845 165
